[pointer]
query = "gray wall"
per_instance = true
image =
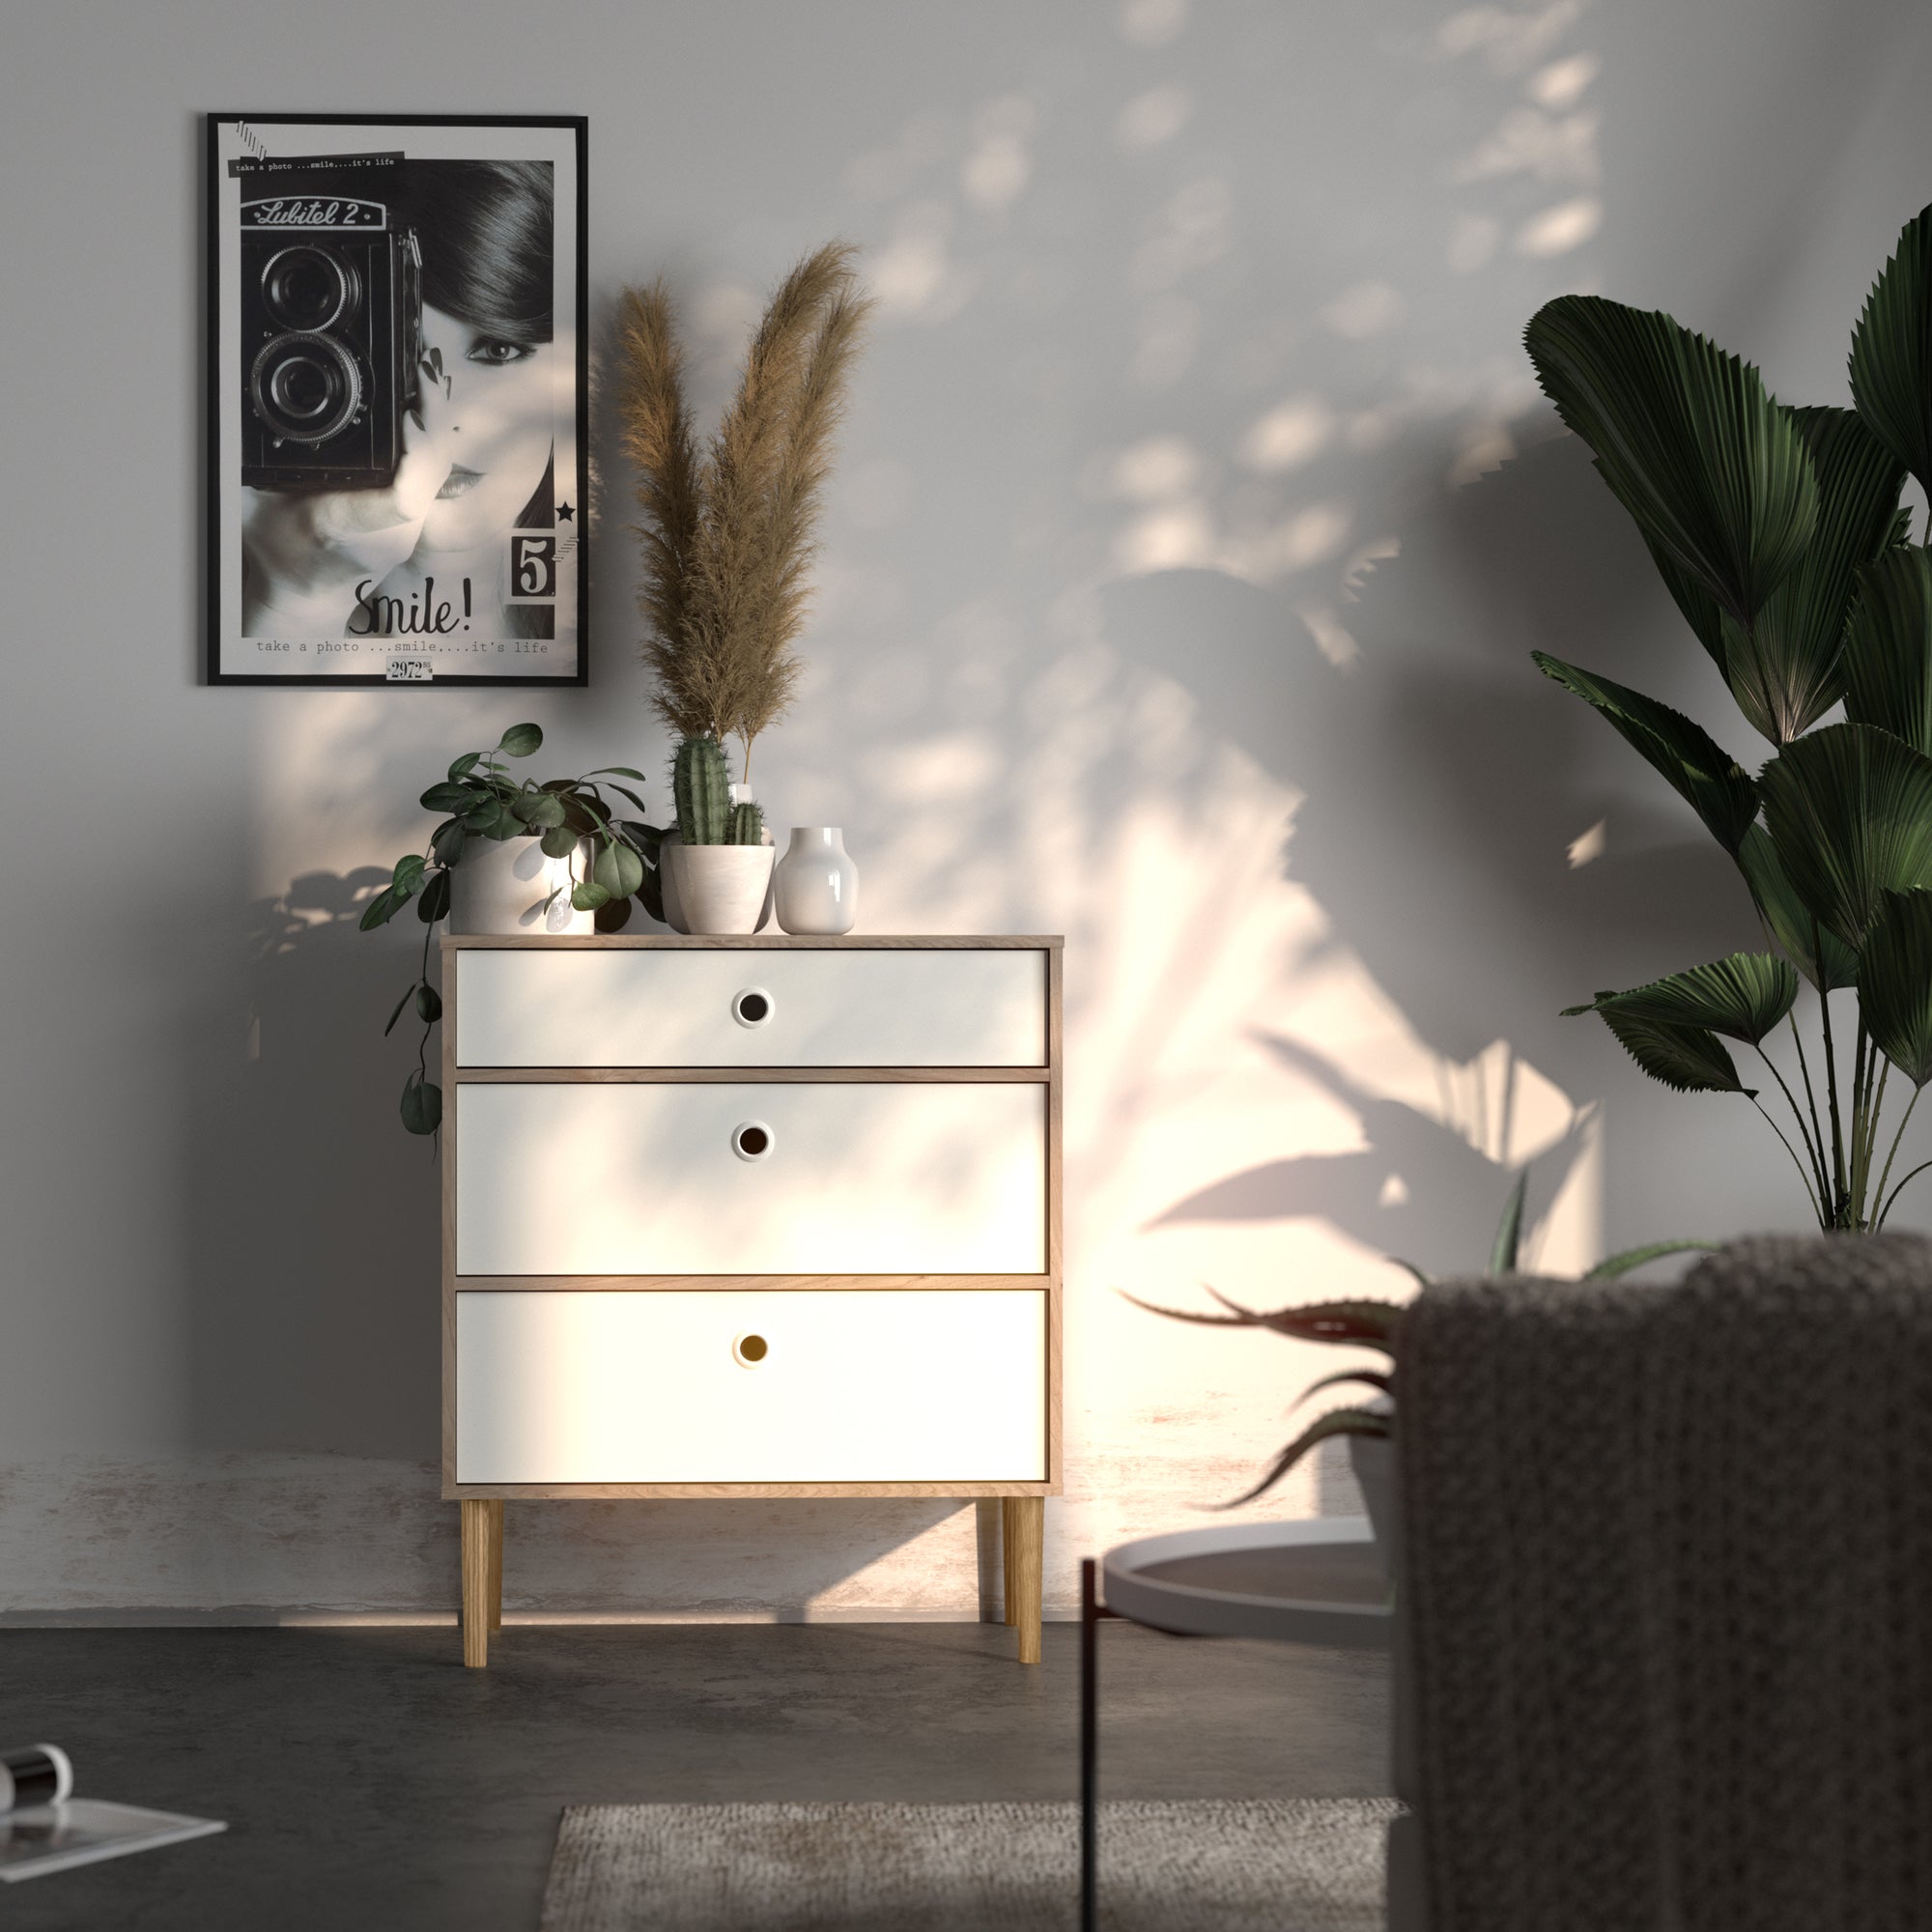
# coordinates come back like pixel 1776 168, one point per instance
pixel 1194 524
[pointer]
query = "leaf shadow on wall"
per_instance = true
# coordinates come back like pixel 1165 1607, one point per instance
pixel 1442 782
pixel 1446 1206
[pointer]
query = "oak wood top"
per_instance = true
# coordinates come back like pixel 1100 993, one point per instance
pixel 760 942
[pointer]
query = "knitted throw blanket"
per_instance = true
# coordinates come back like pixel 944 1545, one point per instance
pixel 1667 1577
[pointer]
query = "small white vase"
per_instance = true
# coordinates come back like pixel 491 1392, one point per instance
pixel 721 889
pixel 817 885
pixel 508 886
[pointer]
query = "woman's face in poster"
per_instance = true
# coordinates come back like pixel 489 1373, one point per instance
pixel 496 417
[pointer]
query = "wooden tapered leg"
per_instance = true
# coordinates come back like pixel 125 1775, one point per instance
pixel 496 1564
pixel 1008 1563
pixel 1026 1540
pixel 477 1541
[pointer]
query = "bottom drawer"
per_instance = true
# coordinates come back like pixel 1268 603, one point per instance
pixel 556 1385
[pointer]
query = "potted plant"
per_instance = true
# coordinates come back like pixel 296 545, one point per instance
pixel 1779 534
pixel 511 856
pixel 1368 1323
pixel 728 535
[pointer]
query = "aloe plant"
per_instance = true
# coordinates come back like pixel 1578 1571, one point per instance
pixel 1378 1324
pixel 1779 534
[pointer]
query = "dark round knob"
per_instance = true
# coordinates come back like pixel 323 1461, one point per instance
pixel 752 1140
pixel 753 1006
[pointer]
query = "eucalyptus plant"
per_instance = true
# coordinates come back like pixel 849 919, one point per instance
pixel 1779 534
pixel 483 800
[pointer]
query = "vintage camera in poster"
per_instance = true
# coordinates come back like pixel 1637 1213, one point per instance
pixel 332 336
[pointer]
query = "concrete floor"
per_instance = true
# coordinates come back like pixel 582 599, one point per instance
pixel 371 1783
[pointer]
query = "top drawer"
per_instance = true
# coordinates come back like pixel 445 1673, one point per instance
pixel 834 1007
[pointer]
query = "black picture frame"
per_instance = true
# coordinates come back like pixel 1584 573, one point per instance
pixel 234 237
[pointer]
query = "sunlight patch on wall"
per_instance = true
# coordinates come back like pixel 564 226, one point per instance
pixel 1557 230
pixel 1153 118
pixel 1152 24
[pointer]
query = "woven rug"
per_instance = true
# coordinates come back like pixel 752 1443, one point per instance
pixel 1264 1865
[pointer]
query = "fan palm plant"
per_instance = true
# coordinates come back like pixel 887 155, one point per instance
pixel 1778 532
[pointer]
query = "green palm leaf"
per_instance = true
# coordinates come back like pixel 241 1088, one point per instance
pixel 1820 957
pixel 1687 1059
pixel 1891 352
pixel 1714 473
pixel 1741 996
pixel 1785 670
pixel 1701 611
pixel 1895 987
pixel 1717 787
pixel 1888 659
pixel 1850 811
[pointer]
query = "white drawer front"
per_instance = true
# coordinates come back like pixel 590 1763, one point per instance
pixel 898 1178
pixel 564 1006
pixel 854 1386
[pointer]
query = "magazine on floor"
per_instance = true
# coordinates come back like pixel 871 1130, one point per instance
pixel 43 1827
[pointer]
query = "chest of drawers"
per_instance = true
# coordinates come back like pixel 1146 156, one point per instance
pixel 750 1217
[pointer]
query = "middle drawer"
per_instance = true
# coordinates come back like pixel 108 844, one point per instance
pixel 750 1178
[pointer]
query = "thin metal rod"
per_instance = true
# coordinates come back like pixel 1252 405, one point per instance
pixel 1090 1626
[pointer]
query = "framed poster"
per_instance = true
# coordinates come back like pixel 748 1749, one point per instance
pixel 397 368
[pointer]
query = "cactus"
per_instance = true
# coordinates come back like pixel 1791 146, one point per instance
pixel 748 824
pixel 701 786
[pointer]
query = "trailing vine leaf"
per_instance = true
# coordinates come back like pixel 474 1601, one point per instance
pixel 461 767
pixel 1805 941
pixel 521 741
pixel 1613 1266
pixel 560 843
pixel 1713 472
pixel 445 842
pixel 1850 810
pixel 1741 996
pixel 422 1103
pixel 614 915
pixel 433 904
pixel 619 870
pixel 1337 1422
pixel 429 1004
pixel 1895 987
pixel 648 840
pixel 380 909
pixel 1785 669
pixel 1715 785
pixel 1891 352
pixel 1888 655
pixel 587 897
pixel 398 1013
pixel 1687 1059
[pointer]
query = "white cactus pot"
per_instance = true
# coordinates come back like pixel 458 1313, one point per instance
pixel 721 889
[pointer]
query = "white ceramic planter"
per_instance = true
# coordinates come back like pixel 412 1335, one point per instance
pixel 507 886
pixel 816 887
pixel 721 889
